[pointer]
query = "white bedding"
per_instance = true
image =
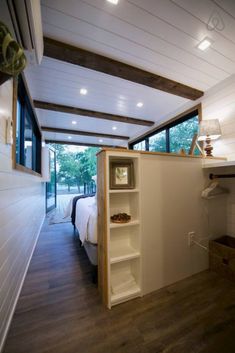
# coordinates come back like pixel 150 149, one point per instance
pixel 86 219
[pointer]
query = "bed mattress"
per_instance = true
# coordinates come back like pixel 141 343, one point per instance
pixel 86 219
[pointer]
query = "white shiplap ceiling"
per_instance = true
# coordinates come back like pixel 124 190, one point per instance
pixel 159 36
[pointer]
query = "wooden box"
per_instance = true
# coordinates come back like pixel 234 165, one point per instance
pixel 222 256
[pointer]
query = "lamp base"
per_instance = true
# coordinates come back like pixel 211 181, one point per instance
pixel 208 148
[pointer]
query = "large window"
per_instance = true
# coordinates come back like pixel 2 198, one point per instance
pixel 140 146
pixel 27 133
pixel 157 142
pixel 172 137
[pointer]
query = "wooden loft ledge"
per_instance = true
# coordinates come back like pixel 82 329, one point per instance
pixel 164 154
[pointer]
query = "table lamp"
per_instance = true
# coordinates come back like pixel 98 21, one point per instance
pixel 209 130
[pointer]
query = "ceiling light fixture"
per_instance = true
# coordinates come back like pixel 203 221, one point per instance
pixel 204 44
pixel 74 122
pixel 69 137
pixel 139 104
pixel 114 128
pixel 115 2
pixel 100 140
pixel 83 91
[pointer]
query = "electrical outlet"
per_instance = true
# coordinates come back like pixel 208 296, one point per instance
pixel 191 236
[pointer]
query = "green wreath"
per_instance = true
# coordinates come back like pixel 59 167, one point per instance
pixel 12 57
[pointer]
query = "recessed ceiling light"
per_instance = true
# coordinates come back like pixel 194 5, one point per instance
pixel 115 2
pixel 114 127
pixel 100 140
pixel 69 137
pixel 74 122
pixel 139 104
pixel 83 91
pixel 204 44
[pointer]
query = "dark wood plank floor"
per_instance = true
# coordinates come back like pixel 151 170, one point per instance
pixel 59 310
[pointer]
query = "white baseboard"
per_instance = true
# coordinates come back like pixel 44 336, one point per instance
pixel 3 339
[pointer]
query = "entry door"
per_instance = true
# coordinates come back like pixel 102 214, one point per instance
pixel 51 186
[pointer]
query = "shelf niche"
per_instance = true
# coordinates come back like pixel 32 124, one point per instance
pixel 125 281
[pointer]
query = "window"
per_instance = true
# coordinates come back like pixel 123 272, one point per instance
pixel 172 137
pixel 157 142
pixel 181 135
pixel 140 146
pixel 27 133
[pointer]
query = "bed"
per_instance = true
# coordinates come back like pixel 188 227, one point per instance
pixel 83 212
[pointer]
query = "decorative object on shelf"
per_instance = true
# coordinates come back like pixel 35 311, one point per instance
pixel 182 152
pixel 120 218
pixel 195 144
pixel 209 130
pixel 121 174
pixel 12 57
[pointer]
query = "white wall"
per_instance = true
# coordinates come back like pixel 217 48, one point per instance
pixel 171 207
pixel 219 103
pixel 22 212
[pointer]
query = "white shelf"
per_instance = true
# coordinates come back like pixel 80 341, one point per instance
pixel 123 253
pixel 122 225
pixel 124 240
pixel 133 292
pixel 121 191
pixel 219 164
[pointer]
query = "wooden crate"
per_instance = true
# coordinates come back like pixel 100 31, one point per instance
pixel 222 256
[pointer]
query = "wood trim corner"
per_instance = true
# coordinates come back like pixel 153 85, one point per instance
pixel 21 168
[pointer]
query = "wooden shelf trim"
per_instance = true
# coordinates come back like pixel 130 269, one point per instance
pixel 123 253
pixel 123 191
pixel 122 225
pixel 133 292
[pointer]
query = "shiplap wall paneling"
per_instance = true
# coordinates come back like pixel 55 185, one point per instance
pixel 22 210
pixel 219 103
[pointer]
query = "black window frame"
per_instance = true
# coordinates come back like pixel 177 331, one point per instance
pixel 21 96
pixel 195 111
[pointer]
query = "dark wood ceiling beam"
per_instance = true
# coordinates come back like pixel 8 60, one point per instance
pixel 71 143
pixel 83 133
pixel 77 56
pixel 90 113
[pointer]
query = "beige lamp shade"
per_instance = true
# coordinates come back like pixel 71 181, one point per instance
pixel 209 128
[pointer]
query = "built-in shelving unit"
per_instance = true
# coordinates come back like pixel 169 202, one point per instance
pixel 125 281
pixel 122 241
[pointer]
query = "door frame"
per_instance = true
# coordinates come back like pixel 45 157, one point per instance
pixel 48 209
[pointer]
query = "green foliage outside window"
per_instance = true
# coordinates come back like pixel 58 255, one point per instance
pixel 179 137
pixel 157 143
pixel 75 168
pixel 140 146
pixel 182 134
